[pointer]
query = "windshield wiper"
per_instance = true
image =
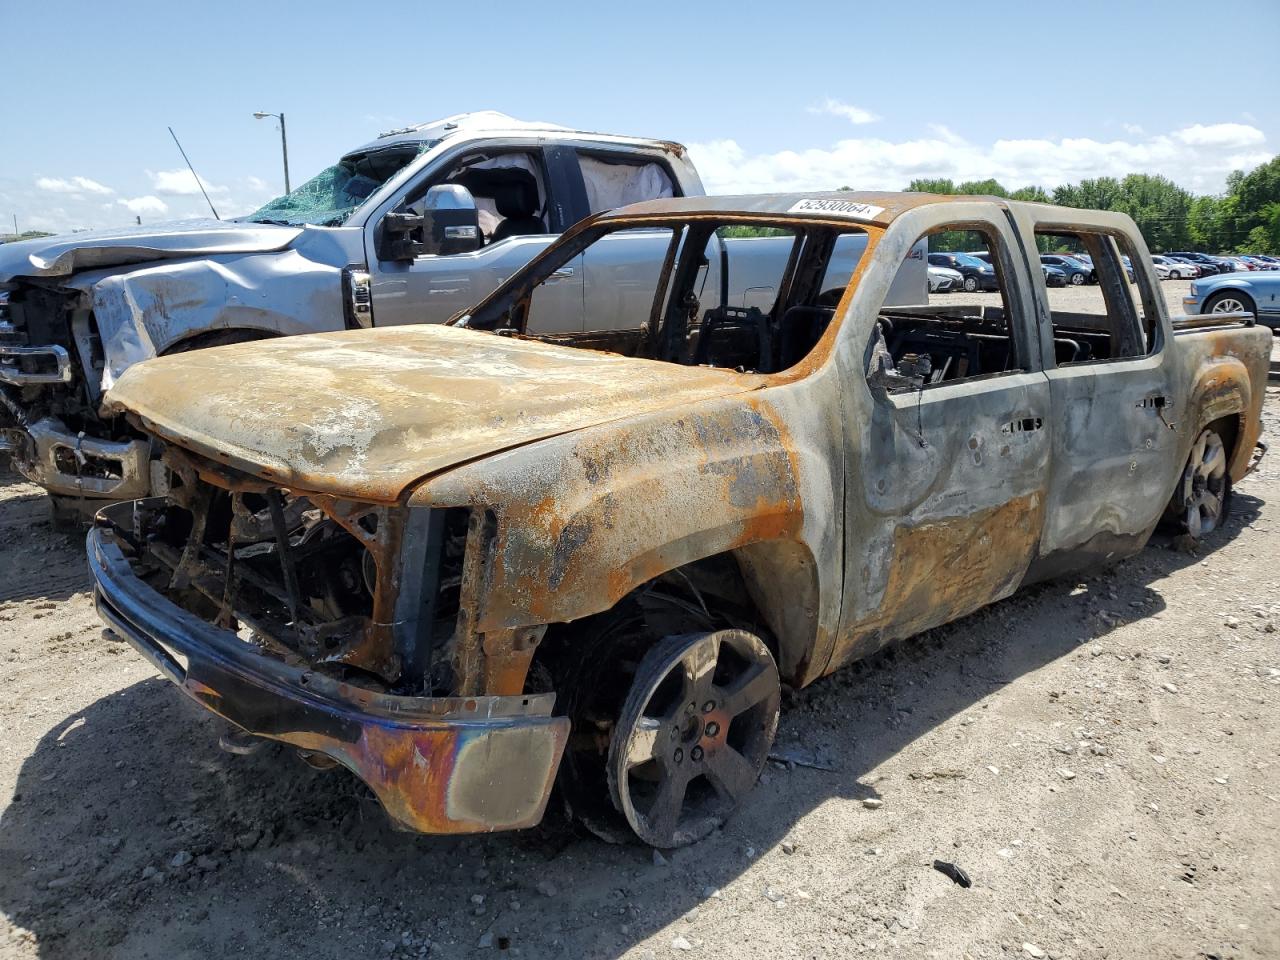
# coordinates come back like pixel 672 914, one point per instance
pixel 278 223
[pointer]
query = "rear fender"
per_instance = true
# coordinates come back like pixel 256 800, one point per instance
pixel 1223 389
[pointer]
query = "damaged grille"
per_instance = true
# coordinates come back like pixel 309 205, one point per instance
pixel 315 581
pixel 35 316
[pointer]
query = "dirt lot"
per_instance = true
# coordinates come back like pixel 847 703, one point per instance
pixel 1099 755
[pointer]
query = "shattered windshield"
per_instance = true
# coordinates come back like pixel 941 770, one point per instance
pixel 328 198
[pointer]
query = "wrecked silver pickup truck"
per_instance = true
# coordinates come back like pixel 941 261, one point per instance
pixel 361 243
pixel 468 565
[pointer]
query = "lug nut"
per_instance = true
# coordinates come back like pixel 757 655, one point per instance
pixel 679 754
pixel 708 706
pixel 713 728
pixel 695 754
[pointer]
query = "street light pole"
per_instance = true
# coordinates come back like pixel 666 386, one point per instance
pixel 284 143
pixel 284 149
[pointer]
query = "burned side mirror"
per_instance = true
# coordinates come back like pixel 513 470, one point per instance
pixel 443 222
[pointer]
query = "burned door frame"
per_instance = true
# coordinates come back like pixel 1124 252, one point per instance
pixel 945 486
pixel 1116 446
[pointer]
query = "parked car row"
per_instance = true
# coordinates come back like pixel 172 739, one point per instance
pixel 1210 266
pixel 975 269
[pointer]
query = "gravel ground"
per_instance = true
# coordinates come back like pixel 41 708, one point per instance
pixel 1099 755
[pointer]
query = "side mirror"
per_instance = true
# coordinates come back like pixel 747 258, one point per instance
pixel 443 222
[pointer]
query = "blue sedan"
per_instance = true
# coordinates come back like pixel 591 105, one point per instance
pixel 1256 293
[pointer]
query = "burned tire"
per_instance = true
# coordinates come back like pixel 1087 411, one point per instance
pixel 693 734
pixel 591 675
pixel 1203 495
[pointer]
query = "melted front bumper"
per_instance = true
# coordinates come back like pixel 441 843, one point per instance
pixel 437 765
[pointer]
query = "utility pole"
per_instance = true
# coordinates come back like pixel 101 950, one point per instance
pixel 284 143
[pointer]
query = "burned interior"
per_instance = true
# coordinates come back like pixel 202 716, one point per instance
pixel 757 295
pixel 752 295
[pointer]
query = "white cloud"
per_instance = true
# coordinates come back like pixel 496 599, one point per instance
pixel 1133 129
pixel 147 204
pixel 73 185
pixel 1197 157
pixel 838 108
pixel 257 184
pixel 181 183
pixel 943 132
pixel 1221 135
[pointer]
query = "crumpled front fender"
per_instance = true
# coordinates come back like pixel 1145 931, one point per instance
pixel 145 312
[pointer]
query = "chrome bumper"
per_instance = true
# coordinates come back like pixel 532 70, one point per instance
pixel 28 366
pixel 68 464
pixel 437 765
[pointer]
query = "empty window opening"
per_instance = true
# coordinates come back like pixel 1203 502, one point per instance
pixel 961 327
pixel 1090 284
pixel 509 191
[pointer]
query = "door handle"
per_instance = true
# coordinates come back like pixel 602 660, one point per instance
pixel 1023 425
pixel 564 273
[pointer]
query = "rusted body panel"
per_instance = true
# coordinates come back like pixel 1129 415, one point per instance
pixel 855 515
pixel 363 414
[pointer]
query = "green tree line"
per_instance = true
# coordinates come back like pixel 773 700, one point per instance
pixel 1244 219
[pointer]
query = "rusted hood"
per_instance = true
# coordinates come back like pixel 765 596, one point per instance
pixel 365 413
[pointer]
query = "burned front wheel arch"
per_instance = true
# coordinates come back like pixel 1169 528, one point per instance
pixel 782 578
pixel 767 588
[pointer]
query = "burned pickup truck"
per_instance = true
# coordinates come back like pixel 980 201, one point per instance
pixel 471 564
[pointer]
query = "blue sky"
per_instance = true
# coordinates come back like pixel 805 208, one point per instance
pixel 797 95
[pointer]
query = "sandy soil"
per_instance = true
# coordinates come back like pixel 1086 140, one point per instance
pixel 1100 756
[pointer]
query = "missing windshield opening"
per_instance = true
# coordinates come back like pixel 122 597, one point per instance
pixel 744 294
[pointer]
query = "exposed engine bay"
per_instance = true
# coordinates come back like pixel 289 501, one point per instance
pixel 312 581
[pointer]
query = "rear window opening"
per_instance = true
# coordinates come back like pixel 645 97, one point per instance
pixel 1124 326
pixel 730 293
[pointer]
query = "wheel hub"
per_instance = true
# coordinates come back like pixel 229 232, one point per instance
pixel 692 728
pixel 693 734
pixel 1204 485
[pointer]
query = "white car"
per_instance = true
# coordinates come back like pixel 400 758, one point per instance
pixel 1167 269
pixel 944 279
